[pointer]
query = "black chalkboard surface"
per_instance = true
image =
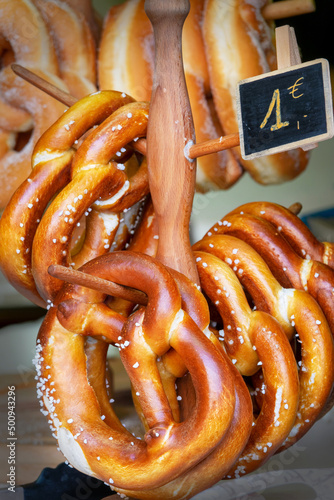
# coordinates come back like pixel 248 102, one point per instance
pixel 285 109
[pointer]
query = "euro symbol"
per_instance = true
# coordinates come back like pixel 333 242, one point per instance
pixel 294 88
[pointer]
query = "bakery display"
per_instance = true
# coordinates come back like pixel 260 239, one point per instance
pixel 227 342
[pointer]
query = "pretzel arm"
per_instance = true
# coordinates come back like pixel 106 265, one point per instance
pixel 292 228
pixel 252 272
pixel 316 368
pixel 287 267
pixel 20 219
pixel 258 341
pixel 99 380
pixel 280 402
pixel 217 464
pixel 260 234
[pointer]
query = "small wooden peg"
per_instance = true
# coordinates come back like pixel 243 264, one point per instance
pixel 101 285
pixel 296 207
pixel 212 146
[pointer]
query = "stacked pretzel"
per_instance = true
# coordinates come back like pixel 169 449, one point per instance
pixel 224 42
pixel 57 40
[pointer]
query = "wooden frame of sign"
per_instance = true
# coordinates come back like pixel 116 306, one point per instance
pixel 288 108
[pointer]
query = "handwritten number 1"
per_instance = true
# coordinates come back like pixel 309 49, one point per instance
pixel 276 100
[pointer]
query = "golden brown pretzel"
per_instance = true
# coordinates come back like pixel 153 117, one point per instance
pixel 83 432
pixel 292 228
pixel 51 172
pixel 293 306
pixel 239 45
pixel 74 44
pixel 27 43
pixel 217 464
pixel 287 266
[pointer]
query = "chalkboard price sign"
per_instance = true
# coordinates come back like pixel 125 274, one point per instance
pixel 285 109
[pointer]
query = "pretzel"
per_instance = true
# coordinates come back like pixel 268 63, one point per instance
pixel 212 468
pixel 26 42
pixel 126 63
pixel 24 220
pixel 239 45
pixel 92 17
pixel 296 306
pixel 289 269
pixel 74 43
pixel 82 432
pixel 298 235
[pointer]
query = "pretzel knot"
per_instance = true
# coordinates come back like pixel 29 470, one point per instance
pixel 89 433
pixel 68 185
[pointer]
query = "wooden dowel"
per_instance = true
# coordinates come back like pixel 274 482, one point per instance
pixel 212 146
pixel 101 285
pixel 44 85
pixel 287 8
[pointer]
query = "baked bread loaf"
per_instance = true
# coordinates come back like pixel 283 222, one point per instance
pixel 239 44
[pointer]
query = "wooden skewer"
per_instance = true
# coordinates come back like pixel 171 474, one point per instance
pixel 287 8
pixel 212 146
pixel 101 285
pixel 44 85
